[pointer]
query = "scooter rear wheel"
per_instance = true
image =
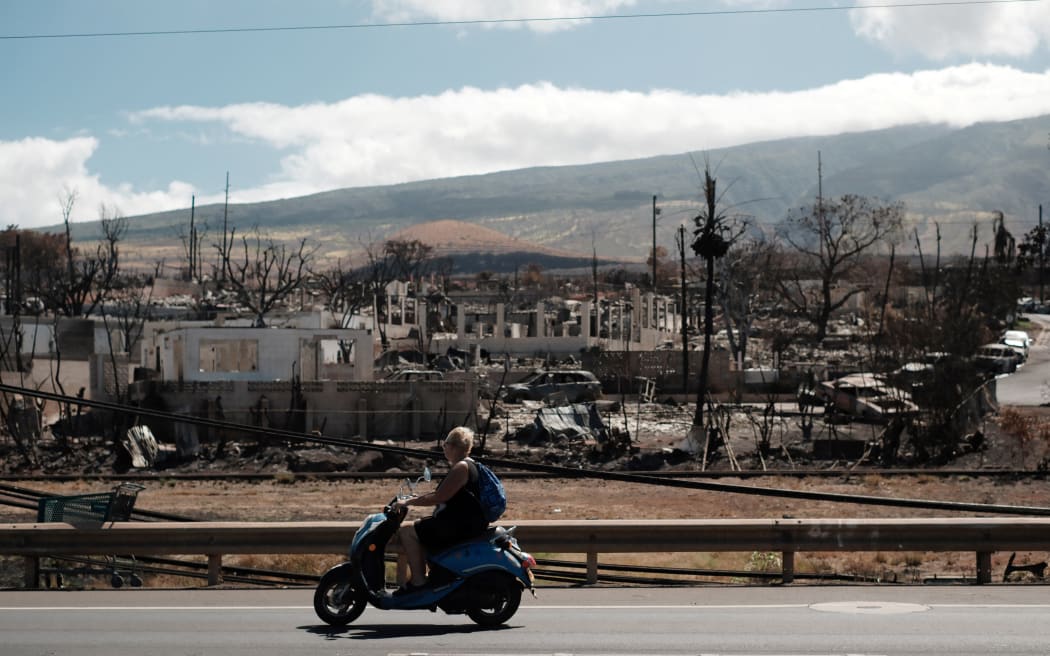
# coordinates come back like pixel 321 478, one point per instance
pixel 498 602
pixel 336 602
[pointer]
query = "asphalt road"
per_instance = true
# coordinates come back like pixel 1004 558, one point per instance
pixel 727 621
pixel 730 621
pixel 1030 385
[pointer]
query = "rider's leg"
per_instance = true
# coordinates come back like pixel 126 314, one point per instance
pixel 416 557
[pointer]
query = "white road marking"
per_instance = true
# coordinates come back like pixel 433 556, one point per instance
pixel 826 607
pixel 423 653
pixel 869 607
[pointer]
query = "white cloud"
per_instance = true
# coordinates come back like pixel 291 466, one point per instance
pixel 372 140
pixel 1001 30
pixel 35 173
pixel 397 11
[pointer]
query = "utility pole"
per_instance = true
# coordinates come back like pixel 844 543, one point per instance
pixel 13 289
pixel 684 313
pixel 193 239
pixel 225 211
pixel 820 191
pixel 594 279
pixel 656 212
pixel 1042 252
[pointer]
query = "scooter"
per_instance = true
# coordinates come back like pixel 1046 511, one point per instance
pixel 483 577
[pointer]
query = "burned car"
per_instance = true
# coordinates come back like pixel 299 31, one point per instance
pixel 577 386
pixel 866 395
pixel 997 359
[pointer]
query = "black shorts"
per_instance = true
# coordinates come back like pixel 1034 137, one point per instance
pixel 437 533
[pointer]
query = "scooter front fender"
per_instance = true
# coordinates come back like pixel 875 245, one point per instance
pixel 343 570
pixel 349 572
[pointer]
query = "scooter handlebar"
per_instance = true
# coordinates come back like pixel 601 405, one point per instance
pixel 392 507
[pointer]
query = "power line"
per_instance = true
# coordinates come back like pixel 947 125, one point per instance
pixel 504 21
pixel 624 477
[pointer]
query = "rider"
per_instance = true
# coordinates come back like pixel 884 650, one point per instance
pixel 457 516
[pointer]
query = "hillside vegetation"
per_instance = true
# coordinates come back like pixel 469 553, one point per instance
pixel 952 176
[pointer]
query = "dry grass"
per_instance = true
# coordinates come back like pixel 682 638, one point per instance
pixel 295 498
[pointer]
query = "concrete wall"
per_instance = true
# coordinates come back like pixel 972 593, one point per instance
pixel 77 338
pixel 244 375
pixel 366 410
pixel 640 327
pixel 213 354
pixel 72 376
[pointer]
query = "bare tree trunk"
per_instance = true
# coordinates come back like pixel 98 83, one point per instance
pixel 709 317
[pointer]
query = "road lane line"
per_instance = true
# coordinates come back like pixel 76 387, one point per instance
pixel 522 608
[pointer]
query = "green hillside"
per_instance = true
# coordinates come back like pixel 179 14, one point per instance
pixel 954 176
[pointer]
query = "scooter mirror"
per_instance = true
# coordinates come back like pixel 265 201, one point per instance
pixel 426 474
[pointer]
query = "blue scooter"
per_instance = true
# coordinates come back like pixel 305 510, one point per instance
pixel 483 577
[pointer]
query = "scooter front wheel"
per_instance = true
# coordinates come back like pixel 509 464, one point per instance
pixel 335 600
pixel 497 601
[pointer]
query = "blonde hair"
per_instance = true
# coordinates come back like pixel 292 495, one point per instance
pixel 462 437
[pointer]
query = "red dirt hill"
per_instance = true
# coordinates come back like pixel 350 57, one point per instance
pixel 449 237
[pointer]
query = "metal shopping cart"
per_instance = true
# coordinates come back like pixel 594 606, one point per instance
pixel 95 511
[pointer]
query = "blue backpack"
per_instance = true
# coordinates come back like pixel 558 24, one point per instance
pixel 491 496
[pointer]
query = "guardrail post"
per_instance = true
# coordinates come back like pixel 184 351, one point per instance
pixel 31 577
pixel 592 567
pixel 984 566
pixel 214 569
pixel 787 560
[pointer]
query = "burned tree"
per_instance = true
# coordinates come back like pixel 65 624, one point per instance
pixel 961 309
pixel 20 415
pixel 263 273
pixel 407 259
pixel 344 288
pixel 68 281
pixel 743 275
pixel 192 238
pixel 125 316
pixel 833 238
pixel 397 259
pixel 711 243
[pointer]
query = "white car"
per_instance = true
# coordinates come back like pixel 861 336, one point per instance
pixel 1018 340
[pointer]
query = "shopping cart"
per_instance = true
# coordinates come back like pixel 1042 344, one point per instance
pixel 95 511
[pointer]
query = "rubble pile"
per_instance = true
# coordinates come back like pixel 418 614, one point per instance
pixel 607 435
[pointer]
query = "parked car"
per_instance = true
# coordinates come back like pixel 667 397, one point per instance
pixel 996 359
pixel 577 385
pixel 866 395
pixel 1018 340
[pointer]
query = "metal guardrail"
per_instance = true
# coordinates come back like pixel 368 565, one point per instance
pixel 983 536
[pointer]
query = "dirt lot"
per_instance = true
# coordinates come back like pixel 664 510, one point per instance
pixel 300 497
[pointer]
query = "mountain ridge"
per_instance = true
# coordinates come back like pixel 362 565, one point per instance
pixel 952 176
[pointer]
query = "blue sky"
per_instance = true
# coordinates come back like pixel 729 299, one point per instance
pixel 141 123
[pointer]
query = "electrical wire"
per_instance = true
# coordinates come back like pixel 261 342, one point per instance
pixel 567 472
pixel 506 21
